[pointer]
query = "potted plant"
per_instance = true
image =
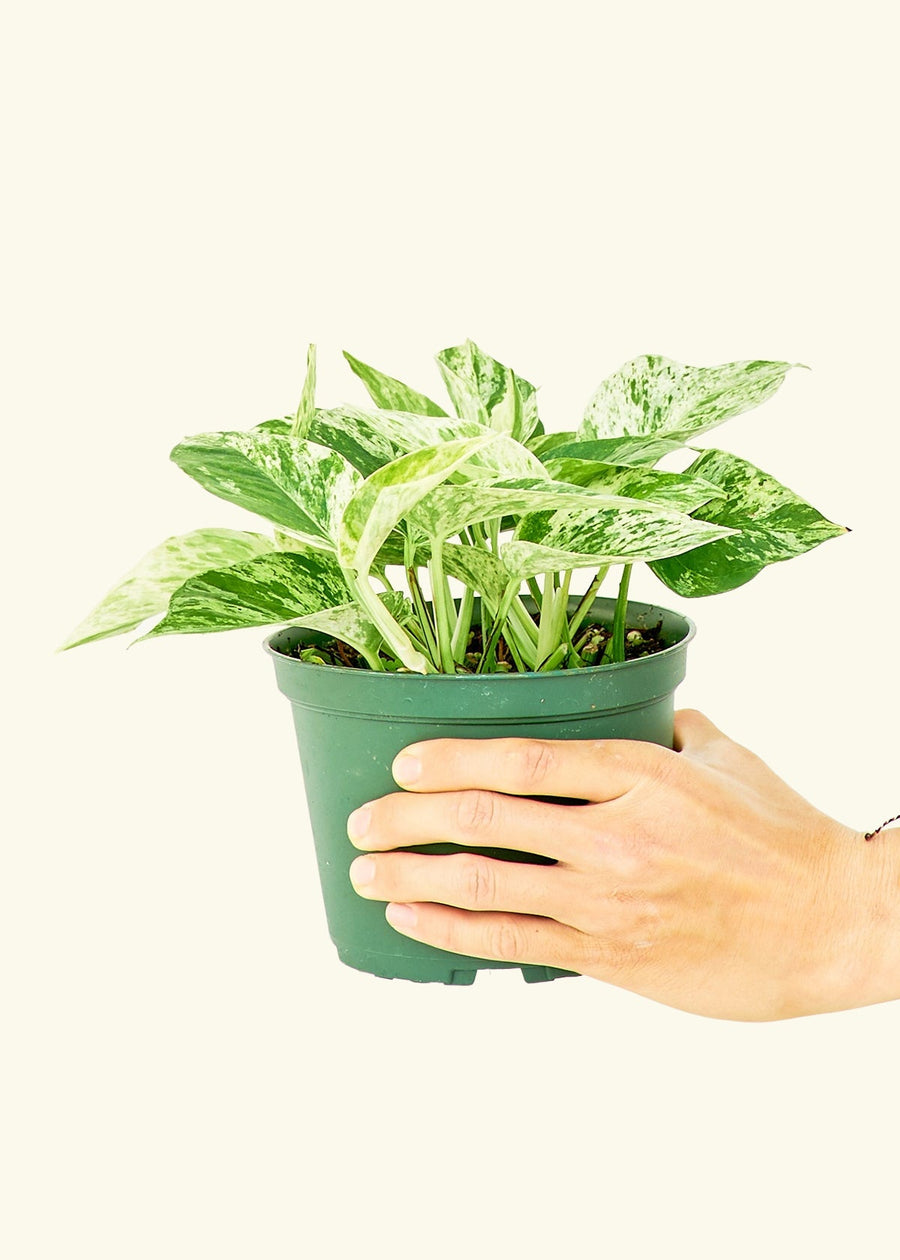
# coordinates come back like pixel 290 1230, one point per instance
pixel 421 568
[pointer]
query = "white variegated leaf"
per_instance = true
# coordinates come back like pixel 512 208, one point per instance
pixel 449 509
pixel 678 490
pixel 349 623
pixel 298 484
pixel 487 391
pixel 775 524
pixel 393 491
pixel 307 408
pixel 572 539
pixel 146 589
pixel 655 395
pixel 388 392
pixel 642 452
pixel 478 569
pixel 268 590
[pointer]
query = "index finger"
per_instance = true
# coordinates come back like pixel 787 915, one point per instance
pixel 577 769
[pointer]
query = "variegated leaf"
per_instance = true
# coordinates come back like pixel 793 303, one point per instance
pixel 655 395
pixel 393 491
pixel 775 524
pixel 298 484
pixel 145 590
pixel 449 509
pixel 478 569
pixel 307 408
pixel 388 392
pixel 487 391
pixel 370 439
pixel 350 624
pixel 676 490
pixel 268 590
pixel 570 539
pixel 642 452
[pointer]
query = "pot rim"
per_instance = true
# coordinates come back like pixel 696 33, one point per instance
pixel 503 678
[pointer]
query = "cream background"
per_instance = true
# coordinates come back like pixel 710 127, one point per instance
pixel 194 192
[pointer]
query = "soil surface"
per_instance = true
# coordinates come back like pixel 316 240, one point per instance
pixel 590 643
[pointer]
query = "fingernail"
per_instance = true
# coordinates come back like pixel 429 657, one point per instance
pixel 400 916
pixel 406 769
pixel 362 871
pixel 358 822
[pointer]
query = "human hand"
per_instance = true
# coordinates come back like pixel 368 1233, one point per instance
pixel 696 877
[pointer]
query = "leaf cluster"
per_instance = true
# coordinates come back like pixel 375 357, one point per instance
pixel 377 510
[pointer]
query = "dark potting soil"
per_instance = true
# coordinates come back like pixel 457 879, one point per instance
pixel 590 643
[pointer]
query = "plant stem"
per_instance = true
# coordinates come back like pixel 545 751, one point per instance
pixel 487 655
pixel 395 637
pixel 586 600
pixel 460 640
pixel 615 650
pixel 555 659
pixel 441 602
pixel 425 625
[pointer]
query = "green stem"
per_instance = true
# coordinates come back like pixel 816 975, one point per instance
pixel 587 600
pixel 555 659
pixel 426 628
pixel 395 637
pixel 460 640
pixel 487 655
pixel 441 603
pixel 615 650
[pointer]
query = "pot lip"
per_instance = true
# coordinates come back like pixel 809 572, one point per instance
pixel 503 679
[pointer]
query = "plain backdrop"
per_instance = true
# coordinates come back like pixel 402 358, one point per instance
pixel 193 193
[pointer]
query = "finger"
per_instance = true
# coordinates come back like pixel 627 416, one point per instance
pixel 596 770
pixel 693 731
pixel 512 938
pixel 469 881
pixel 474 818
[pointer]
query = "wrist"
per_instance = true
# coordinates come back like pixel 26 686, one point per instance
pixel 866 959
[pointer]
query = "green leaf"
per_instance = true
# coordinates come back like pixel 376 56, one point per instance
pixel 775 524
pixel 307 408
pixel 633 451
pixel 549 542
pixel 678 490
pixel 388 392
pixel 484 390
pixel 145 590
pixel 298 484
pixel 654 395
pixel 268 590
pixel 393 491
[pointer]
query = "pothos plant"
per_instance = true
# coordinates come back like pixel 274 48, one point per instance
pixel 485 497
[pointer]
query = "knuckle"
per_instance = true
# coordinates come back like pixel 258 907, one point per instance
pixel 505 942
pixel 478 882
pixel 475 812
pixel 533 761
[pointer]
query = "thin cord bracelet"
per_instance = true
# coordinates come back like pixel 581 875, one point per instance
pixel 870 835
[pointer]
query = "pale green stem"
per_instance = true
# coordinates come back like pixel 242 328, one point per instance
pixel 508 597
pixel 395 637
pixel 555 659
pixel 587 600
pixel 615 649
pixel 441 604
pixel 426 626
pixel 460 640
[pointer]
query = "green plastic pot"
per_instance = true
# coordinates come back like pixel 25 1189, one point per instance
pixel 351 723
